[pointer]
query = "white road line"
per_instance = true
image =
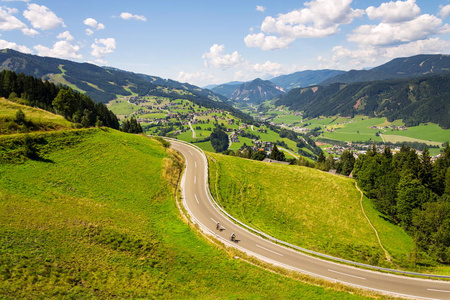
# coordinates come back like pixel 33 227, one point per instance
pixel 195 179
pixel 347 274
pixel 195 164
pixel 442 291
pixel 213 220
pixel 269 250
pixel 191 152
pixel 196 198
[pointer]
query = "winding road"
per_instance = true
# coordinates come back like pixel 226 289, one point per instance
pixel 203 212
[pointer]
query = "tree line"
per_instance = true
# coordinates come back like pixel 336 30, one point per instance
pixel 413 192
pixel 72 105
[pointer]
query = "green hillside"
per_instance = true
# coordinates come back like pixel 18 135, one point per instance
pixel 287 203
pixel 416 101
pixel 95 217
pixel 35 119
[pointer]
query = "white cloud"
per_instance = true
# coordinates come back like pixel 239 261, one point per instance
pixel 268 67
pixel 128 16
pixel 444 11
pixel 89 31
pixel 94 24
pixel 42 18
pixel 61 49
pixel 101 47
pixel 65 36
pixel 217 59
pixel 196 77
pixel 367 56
pixel 320 18
pixel 10 45
pixel 269 42
pixel 260 8
pixel 8 22
pixel 392 12
pixel 391 33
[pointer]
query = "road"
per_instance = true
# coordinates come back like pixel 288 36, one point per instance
pixel 205 214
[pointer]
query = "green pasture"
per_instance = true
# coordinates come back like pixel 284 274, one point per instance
pixel 306 207
pixel 42 119
pixel 121 107
pixel 95 218
pixel 287 119
pixel 426 132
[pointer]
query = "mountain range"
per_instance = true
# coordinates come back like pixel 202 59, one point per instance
pixel 101 84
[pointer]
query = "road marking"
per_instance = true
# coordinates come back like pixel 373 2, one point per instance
pixel 442 291
pixel 214 220
pixel 195 179
pixel 195 164
pixel 347 274
pixel 191 152
pixel 196 198
pixel 269 250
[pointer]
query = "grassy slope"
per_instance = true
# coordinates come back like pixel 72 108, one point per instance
pixel 306 207
pixel 96 218
pixel 42 119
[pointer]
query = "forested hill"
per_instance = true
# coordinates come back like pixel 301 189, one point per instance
pixel 101 84
pixel 104 84
pixel 405 67
pixel 419 100
pixel 75 107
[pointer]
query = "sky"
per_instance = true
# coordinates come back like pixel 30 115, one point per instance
pixel 206 42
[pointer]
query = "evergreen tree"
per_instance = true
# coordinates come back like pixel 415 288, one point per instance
pixel 276 154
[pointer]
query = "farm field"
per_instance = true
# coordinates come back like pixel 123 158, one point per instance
pixel 328 219
pixel 96 218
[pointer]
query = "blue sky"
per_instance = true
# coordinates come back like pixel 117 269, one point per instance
pixel 209 42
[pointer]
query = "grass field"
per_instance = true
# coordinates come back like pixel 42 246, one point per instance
pixel 42 120
pixel 308 208
pixel 95 217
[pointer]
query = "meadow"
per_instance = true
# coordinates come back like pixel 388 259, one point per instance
pixel 311 209
pixel 41 119
pixel 95 217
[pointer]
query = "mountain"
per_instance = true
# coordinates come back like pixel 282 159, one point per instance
pixel 304 78
pixel 227 89
pixel 406 67
pixel 256 91
pixel 101 84
pixel 417 100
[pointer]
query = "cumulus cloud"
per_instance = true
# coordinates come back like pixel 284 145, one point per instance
pixel 42 18
pixel 369 55
pixel 65 36
pixel 101 47
pixel 392 12
pixel 128 16
pixel 89 31
pixel 444 11
pixel 94 24
pixel 10 45
pixel 8 22
pixel 217 59
pixel 196 77
pixel 391 33
pixel 61 49
pixel 260 8
pixel 320 18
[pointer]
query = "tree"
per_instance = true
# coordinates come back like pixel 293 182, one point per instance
pixel 276 154
pixel 219 140
pixel 346 163
pixel 65 103
pixel 20 118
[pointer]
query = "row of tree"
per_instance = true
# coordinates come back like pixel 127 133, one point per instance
pixel 74 106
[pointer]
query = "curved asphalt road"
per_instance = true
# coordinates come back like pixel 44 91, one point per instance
pixel 203 212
